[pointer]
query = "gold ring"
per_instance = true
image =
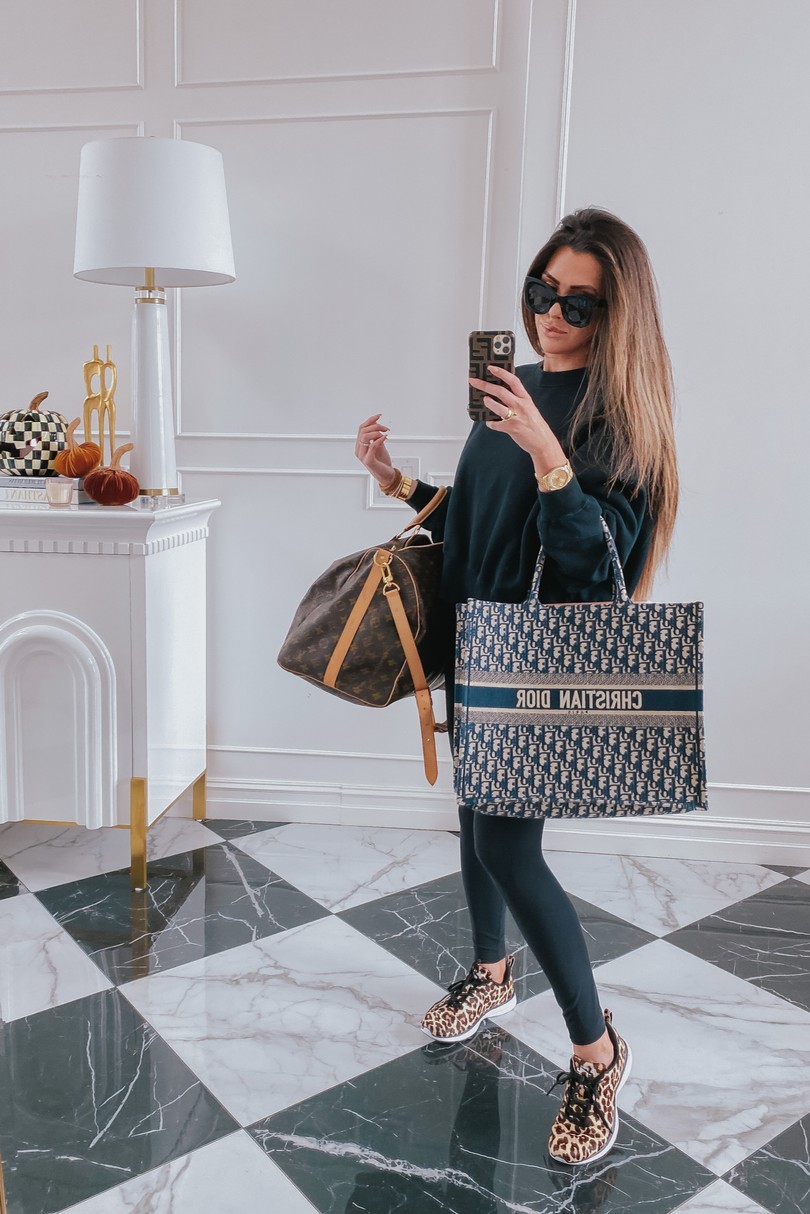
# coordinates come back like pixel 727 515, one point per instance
pixel 509 415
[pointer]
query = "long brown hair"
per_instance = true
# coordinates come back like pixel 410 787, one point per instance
pixel 629 372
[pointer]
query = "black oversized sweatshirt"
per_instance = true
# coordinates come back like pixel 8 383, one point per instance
pixel 494 520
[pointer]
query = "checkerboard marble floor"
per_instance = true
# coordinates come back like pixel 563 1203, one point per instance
pixel 245 1034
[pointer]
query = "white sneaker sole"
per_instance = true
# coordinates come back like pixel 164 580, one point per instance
pixel 501 1010
pixel 581 1163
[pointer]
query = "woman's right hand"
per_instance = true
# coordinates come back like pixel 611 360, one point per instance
pixel 372 452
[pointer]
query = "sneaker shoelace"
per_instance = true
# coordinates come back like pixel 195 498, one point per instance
pixel 457 991
pixel 579 1097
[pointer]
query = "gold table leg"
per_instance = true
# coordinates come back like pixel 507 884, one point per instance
pixel 2 1190
pixel 138 824
pixel 198 795
pixel 137 830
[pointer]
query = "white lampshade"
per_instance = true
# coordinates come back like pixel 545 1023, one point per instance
pixel 157 203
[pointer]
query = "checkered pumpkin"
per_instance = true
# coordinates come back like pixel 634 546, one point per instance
pixel 30 440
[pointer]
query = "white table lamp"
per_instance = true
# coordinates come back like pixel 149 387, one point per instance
pixel 152 214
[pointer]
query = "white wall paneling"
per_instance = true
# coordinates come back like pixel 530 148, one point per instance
pixel 337 307
pixel 249 42
pixel 56 46
pixel 391 171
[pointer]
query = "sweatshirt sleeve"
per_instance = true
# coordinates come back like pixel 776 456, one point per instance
pixel 435 522
pixel 569 520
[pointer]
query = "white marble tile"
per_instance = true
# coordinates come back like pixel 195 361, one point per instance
pixel 720 1198
pixel 40 965
pixel 231 1174
pixel 717 1061
pixel 658 895
pixel 273 1022
pixel 804 877
pixel 342 866
pixel 45 855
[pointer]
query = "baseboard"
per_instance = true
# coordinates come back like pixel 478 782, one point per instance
pixel 749 824
pixel 336 804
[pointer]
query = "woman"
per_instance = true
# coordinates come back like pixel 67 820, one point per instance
pixel 584 434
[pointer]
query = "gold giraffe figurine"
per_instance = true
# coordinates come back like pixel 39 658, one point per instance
pixel 102 401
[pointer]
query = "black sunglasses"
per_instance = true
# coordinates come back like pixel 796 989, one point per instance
pixel 577 310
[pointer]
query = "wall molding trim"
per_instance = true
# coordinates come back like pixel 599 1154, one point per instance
pixel 137 83
pixel 401 440
pixel 740 827
pixel 183 81
pixel 565 117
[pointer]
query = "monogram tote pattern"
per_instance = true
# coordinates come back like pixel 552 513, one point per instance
pixel 579 709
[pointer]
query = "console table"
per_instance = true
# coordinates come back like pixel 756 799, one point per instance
pixel 102 665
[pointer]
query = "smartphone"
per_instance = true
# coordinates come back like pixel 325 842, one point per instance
pixel 491 348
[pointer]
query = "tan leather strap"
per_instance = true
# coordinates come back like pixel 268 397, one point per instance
pixel 363 603
pixel 424 702
pixel 425 512
pixel 354 621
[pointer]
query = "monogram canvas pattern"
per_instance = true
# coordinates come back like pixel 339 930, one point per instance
pixel 573 771
pixel 468 1002
pixel 661 641
pixel 374 672
pixel 579 709
pixel 588 1121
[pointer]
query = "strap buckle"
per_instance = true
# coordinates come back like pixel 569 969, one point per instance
pixel 383 561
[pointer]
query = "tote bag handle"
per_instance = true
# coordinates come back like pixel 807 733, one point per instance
pixel 620 594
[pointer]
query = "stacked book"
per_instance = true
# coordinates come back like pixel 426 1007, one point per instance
pixel 22 490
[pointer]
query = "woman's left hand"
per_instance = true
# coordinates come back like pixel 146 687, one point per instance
pixel 520 418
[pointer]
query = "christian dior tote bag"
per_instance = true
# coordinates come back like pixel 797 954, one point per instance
pixel 579 710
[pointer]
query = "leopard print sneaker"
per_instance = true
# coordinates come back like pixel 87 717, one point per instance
pixel 588 1121
pixel 472 999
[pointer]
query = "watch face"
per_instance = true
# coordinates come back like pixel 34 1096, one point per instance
pixel 558 478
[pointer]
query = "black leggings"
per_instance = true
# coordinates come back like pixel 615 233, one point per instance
pixel 502 865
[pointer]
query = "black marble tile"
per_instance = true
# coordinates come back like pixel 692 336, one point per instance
pixel 92 1096
pixel 228 828
pixel 787 870
pixel 778 1175
pixel 608 936
pixel 197 903
pixel 464 1130
pixel 428 927
pixel 10 885
pixel 764 938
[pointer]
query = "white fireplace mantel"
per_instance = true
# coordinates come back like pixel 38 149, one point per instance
pixel 102 664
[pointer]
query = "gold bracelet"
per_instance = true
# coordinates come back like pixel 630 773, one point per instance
pixel 395 486
pixel 404 490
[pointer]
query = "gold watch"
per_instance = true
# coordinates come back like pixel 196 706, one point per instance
pixel 557 478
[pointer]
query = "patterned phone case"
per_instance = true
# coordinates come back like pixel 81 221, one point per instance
pixel 491 348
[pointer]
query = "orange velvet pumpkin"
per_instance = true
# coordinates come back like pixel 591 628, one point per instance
pixel 112 486
pixel 77 458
